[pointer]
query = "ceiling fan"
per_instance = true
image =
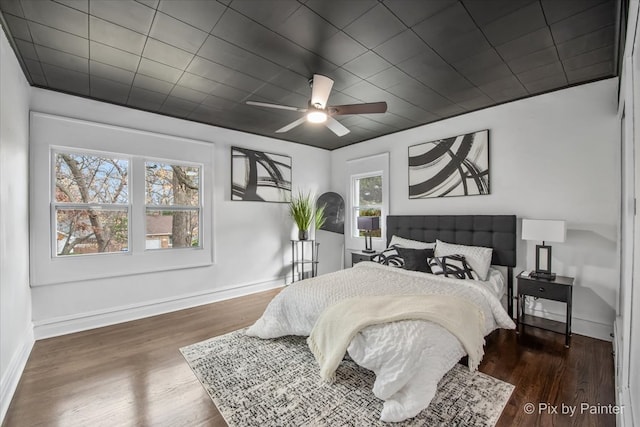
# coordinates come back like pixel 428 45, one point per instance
pixel 319 112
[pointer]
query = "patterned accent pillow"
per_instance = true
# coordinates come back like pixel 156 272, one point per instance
pixel 415 259
pixel 389 257
pixel 452 266
pixel 479 258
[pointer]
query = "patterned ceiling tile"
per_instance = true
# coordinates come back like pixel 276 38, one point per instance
pixel 57 16
pixel 108 89
pixel 113 56
pixel 176 33
pixel 201 14
pixel 412 12
pixel 375 27
pixel 110 72
pixel 19 27
pixel 116 36
pixel 166 54
pixel 159 71
pixel 81 5
pixel 60 40
pixel 126 13
pixel 62 59
pixel 203 60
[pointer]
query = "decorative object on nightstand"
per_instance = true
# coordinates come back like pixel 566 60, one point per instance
pixel 304 259
pixel 559 289
pixel 368 224
pixel 358 256
pixel 545 231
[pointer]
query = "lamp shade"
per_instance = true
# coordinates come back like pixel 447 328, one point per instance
pixel 545 230
pixel 368 223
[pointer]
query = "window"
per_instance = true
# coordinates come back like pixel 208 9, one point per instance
pixel 91 207
pixel 367 187
pixel 109 201
pixel 172 203
pixel 367 200
pixel 91 204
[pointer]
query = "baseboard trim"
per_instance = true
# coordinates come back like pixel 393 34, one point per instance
pixel 96 319
pixel 579 326
pixel 11 378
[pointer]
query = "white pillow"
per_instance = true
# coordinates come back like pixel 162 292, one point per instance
pixel 479 258
pixel 410 244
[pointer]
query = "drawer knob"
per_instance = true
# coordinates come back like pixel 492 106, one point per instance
pixel 540 289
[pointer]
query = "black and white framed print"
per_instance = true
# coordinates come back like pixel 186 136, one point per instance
pixel 259 176
pixel 456 166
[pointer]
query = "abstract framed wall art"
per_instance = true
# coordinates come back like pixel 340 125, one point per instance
pixel 259 176
pixel 456 166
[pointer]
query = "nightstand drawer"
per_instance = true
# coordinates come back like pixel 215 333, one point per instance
pixel 357 257
pixel 543 290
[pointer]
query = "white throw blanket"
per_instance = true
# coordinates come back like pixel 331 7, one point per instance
pixel 339 323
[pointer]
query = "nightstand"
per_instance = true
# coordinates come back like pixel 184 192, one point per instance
pixel 560 289
pixel 358 256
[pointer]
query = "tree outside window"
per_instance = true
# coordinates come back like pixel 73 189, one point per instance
pixel 91 204
pixel 367 200
pixel 172 200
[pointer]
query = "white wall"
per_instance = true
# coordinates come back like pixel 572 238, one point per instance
pixel 554 156
pixel 16 330
pixel 251 239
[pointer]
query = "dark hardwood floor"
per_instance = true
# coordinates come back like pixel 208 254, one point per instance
pixel 133 373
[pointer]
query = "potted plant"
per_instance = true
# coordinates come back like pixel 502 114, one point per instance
pixel 304 213
pixel 301 210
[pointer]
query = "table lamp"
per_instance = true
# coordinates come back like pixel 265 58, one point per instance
pixel 546 231
pixel 368 224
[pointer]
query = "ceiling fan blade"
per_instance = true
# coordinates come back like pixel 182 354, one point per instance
pixel 291 125
pixel 320 90
pixel 281 107
pixel 370 108
pixel 336 127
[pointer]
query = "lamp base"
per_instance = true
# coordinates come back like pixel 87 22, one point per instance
pixel 543 275
pixel 368 251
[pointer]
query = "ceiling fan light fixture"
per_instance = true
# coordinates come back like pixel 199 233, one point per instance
pixel 317 116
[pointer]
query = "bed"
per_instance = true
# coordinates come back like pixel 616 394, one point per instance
pixel 410 356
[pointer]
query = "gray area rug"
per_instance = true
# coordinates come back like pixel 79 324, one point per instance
pixel 256 382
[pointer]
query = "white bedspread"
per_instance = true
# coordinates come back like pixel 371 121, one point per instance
pixel 408 357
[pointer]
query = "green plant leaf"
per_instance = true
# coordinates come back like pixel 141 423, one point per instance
pixel 301 210
pixel 320 219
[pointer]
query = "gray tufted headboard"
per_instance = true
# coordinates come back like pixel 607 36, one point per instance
pixel 493 231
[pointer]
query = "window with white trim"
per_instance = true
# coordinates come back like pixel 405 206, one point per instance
pixel 109 201
pixel 172 205
pixel 367 200
pixel 367 193
pixel 90 203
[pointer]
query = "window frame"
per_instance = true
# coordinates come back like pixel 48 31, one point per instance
pixel 54 205
pixel 372 165
pixel 355 207
pixel 176 208
pixel 49 133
